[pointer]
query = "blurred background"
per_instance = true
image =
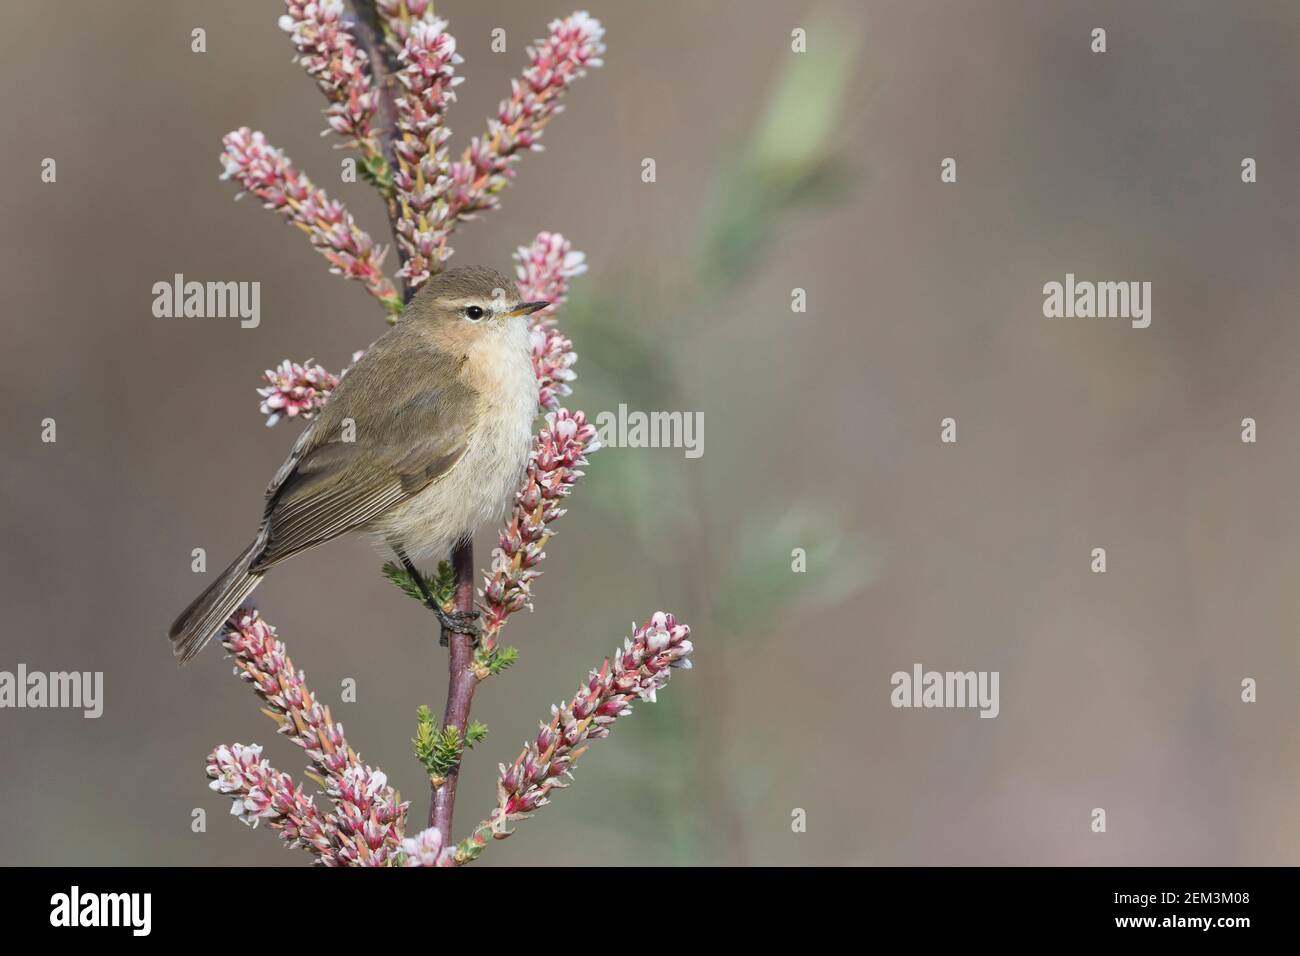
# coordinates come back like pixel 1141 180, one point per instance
pixel 775 171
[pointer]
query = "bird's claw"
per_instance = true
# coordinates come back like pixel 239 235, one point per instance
pixel 457 622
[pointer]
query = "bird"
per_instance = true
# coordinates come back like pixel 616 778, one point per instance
pixel 426 437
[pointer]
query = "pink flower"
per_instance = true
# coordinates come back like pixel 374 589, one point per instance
pixel 558 452
pixel 426 849
pixel 636 671
pixel 330 55
pixel 575 43
pixel 295 390
pixel 260 792
pixel 543 271
pixel 426 195
pixel 428 59
pixel 267 173
pixel 367 821
pixel 398 16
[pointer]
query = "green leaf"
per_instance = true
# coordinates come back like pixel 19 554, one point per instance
pixel 499 659
pixel 374 170
pixel 446 753
pixel 439 750
pixel 444 582
pixel 425 735
pixel 440 585
pixel 402 579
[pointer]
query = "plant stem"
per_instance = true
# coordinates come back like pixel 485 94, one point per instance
pixel 462 680
pixel 462 677
pixel 370 37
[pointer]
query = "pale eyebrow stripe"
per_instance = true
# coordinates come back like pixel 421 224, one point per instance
pixel 486 303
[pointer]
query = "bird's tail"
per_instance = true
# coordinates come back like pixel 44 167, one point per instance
pixel 196 625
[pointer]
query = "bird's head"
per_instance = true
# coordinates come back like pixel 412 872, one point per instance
pixel 470 302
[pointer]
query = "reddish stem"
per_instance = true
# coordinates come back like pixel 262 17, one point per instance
pixel 383 65
pixel 462 678
pixel 460 686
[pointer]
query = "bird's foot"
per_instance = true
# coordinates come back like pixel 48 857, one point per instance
pixel 456 622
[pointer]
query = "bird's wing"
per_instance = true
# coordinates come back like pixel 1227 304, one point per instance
pixel 358 460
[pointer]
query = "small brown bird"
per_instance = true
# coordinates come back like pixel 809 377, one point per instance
pixel 425 438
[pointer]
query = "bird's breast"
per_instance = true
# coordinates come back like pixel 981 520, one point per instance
pixel 481 485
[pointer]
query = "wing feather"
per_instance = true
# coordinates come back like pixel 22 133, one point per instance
pixel 409 431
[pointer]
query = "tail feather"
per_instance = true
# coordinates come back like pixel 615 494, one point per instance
pixel 197 624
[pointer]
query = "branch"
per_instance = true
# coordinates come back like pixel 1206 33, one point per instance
pixel 544 268
pixel 260 792
pixel 463 678
pixel 637 670
pixel 559 451
pixel 414 79
pixel 543 271
pixel 340 65
pixel 268 174
pixel 368 33
pixel 428 81
pixel 486 167
pixel 414 42
pixel 366 825
pixel 393 59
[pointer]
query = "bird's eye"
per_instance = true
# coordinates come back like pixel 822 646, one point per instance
pixel 473 313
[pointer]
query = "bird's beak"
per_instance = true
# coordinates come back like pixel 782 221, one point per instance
pixel 527 308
